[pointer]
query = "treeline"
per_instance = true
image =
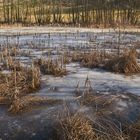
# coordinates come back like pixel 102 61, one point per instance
pixel 79 12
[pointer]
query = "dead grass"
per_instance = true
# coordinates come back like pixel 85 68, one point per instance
pixel 15 87
pixel 5 100
pixel 75 128
pixel 51 67
pixel 26 103
pixel 134 130
pixel 103 126
pixel 126 64
pixel 102 105
pixel 106 129
pixel 95 100
pixel 19 83
pixel 8 61
pixel 137 44
pixel 66 58
pixel 95 59
pixel 77 56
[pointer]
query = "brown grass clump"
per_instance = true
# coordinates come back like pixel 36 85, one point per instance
pixel 94 100
pixel 77 57
pixel 106 129
pixel 19 83
pixel 9 63
pixel 91 98
pixel 4 100
pixel 10 51
pixel 103 125
pixel 51 67
pixel 25 103
pixel 66 58
pixel 101 105
pixel 134 130
pixel 14 50
pixel 94 60
pixel 76 128
pixel 125 64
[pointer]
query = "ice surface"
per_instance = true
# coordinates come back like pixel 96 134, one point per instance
pixel 40 41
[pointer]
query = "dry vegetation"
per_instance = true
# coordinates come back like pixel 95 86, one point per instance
pixel 134 130
pixel 99 126
pixel 78 127
pixel 127 63
pixel 77 56
pixel 15 87
pixel 18 82
pixel 7 60
pixel 51 67
pixel 100 103
pixel 92 59
pixel 28 102
pixel 75 127
pixel 95 59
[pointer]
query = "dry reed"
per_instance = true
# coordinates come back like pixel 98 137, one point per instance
pixel 26 103
pixel 124 64
pixel 19 83
pixel 51 67
pixel 75 127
